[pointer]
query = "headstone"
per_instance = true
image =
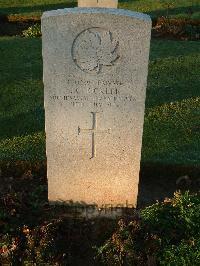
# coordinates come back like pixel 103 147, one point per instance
pixel 95 77
pixel 98 3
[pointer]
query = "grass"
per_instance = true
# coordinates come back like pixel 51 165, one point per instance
pixel 178 8
pixel 171 131
pixel 34 7
pixel 21 109
pixel 158 8
pixel 173 103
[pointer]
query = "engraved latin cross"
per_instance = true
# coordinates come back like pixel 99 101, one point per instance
pixel 94 130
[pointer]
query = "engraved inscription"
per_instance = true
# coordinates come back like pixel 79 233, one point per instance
pixel 94 94
pixel 93 49
pixel 98 101
pixel 93 131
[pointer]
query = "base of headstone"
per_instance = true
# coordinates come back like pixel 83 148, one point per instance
pixel 92 211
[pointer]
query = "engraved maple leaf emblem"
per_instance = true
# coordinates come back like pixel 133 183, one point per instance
pixel 93 49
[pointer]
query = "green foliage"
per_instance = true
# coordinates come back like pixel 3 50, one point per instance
pixel 33 31
pixel 176 218
pixel 181 28
pixel 124 247
pixel 185 254
pixel 162 235
pixel 166 233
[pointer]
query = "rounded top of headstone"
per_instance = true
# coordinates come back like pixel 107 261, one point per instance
pixel 109 11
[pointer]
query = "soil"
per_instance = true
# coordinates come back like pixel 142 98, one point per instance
pixel 27 217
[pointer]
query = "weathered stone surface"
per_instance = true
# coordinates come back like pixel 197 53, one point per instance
pixel 95 75
pixel 98 3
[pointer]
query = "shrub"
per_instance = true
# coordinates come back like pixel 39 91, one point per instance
pixel 175 218
pixel 163 234
pixel 182 28
pixel 184 254
pixel 33 31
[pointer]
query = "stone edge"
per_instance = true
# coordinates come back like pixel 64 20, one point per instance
pixel 109 11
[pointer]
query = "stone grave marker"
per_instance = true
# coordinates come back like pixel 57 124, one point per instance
pixel 95 77
pixel 98 3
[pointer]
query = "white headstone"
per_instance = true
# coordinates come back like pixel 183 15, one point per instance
pixel 98 3
pixel 95 77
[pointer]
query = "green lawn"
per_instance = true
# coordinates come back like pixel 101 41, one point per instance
pixel 178 8
pixel 172 125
